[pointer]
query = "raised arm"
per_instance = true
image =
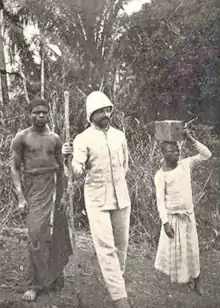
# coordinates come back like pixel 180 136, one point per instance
pixel 203 152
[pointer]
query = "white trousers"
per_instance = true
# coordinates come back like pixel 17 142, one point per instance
pixel 110 234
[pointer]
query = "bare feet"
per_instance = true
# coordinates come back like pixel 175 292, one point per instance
pixel 195 285
pixel 199 289
pixel 58 283
pixel 30 295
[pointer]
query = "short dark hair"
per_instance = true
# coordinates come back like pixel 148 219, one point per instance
pixel 38 102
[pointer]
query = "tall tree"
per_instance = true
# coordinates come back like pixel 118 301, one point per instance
pixel 4 82
pixel 171 47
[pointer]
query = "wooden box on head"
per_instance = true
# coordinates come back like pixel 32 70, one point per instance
pixel 169 130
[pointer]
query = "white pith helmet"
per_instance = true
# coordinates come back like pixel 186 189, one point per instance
pixel 95 101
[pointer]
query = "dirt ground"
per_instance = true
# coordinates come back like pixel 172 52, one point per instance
pixel 146 287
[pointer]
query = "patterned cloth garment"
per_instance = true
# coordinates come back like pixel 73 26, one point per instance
pixel 178 257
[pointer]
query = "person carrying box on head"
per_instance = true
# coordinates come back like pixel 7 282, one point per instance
pixel 178 248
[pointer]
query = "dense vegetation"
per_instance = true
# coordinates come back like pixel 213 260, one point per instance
pixel 162 62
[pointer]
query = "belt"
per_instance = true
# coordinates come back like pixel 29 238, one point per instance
pixel 181 214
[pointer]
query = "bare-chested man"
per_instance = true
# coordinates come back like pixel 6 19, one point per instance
pixel 39 151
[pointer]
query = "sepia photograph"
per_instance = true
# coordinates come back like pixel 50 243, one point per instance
pixel 109 142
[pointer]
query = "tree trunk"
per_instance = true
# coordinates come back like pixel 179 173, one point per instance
pixel 42 70
pixel 25 87
pixel 4 83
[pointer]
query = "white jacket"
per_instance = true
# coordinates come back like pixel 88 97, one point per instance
pixel 103 155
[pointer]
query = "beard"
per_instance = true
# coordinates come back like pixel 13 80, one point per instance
pixel 104 122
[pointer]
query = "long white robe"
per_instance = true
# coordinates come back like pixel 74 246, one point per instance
pixel 178 257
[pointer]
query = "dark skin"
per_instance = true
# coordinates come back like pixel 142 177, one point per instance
pixel 39 118
pixel 171 155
